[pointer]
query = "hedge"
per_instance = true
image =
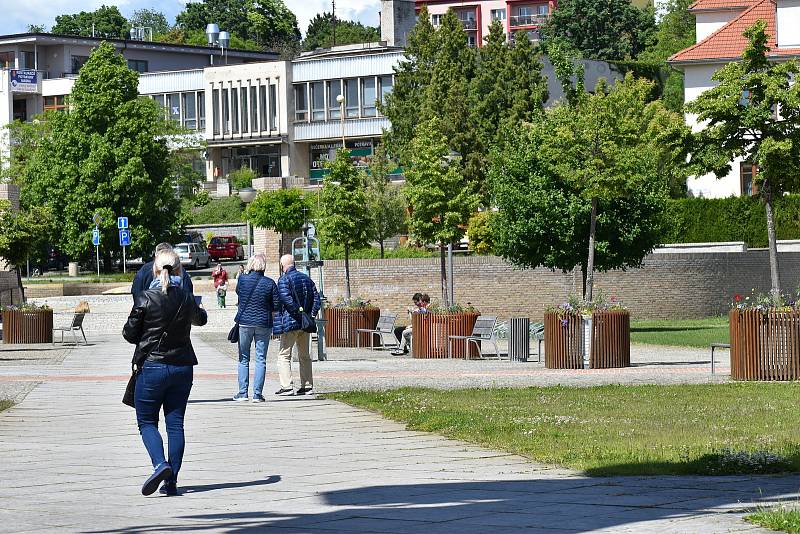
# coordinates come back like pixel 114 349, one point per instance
pixel 701 220
pixel 222 210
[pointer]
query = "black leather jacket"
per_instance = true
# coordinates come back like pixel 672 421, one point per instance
pixel 152 313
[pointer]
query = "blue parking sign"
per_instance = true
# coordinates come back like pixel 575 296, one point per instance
pixel 96 237
pixel 124 238
pixel 122 223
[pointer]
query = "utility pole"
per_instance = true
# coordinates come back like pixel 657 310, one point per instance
pixel 333 10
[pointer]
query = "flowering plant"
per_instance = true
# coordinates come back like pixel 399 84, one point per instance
pixel 25 307
pixel 452 308
pixel 354 303
pixel 578 306
pixel 764 302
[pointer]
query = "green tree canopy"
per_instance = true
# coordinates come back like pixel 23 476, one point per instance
pixel 22 232
pixel 106 21
pixel 343 200
pixel 282 210
pixel 607 30
pixel 150 18
pixel 385 204
pixel 109 156
pixel 320 32
pixel 753 113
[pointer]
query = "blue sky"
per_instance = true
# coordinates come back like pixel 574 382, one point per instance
pixel 19 14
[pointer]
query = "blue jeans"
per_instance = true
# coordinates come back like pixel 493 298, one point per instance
pixel 158 385
pixel 246 336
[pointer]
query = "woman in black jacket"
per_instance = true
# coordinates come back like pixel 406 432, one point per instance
pixel 159 325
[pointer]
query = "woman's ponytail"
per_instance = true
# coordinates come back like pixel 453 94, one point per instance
pixel 165 263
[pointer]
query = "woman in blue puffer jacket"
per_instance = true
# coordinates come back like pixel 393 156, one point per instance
pixel 258 300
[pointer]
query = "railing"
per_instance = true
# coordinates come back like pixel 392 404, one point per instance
pixel 469 24
pixel 765 345
pixel 430 333
pixel 527 20
pixel 340 330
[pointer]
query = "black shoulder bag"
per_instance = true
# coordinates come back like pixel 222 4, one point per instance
pixel 307 322
pixel 233 335
pixel 136 367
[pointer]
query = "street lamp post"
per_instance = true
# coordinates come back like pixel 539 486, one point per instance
pixel 340 100
pixel 247 194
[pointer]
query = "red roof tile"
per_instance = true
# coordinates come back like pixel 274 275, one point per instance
pixel 729 41
pixel 720 5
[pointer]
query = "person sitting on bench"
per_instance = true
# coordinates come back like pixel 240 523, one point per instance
pixel 421 303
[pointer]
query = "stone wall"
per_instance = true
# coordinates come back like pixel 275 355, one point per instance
pixel 10 291
pixel 668 285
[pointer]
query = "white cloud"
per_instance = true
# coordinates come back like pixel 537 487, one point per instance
pixel 18 15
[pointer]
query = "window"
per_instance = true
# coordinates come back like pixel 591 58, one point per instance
pixel 318 101
pixel 351 98
pixel 525 11
pixel 273 107
pixel 368 97
pixel 190 110
pixel 245 114
pixel 215 120
pixel 471 40
pixel 201 110
pixel 234 110
pixel 498 14
pixel 543 10
pixel 748 172
pixel 161 101
pixel 77 63
pixel 27 60
pixel 6 60
pixel 334 90
pixel 55 103
pixel 254 109
pixel 385 87
pixel 746 98
pixel 436 19
pixel 226 112
pixel 262 99
pixel 300 103
pixel 174 107
pixel 139 65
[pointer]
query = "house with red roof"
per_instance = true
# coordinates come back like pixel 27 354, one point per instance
pixel 720 28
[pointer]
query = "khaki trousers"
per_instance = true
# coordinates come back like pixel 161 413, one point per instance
pixel 289 340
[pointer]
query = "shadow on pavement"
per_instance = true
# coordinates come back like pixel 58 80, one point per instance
pixel 272 479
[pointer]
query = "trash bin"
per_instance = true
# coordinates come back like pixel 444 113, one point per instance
pixel 519 341
pixel 73 268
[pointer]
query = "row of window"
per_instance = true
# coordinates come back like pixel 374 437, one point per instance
pixel 361 98
pixel 187 109
pixel 245 109
pixel 522 12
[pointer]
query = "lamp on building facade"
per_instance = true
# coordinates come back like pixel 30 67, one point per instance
pixel 247 195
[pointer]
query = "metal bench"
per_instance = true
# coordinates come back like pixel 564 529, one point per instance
pixel 483 331
pixel 717 346
pixel 537 333
pixel 75 324
pixel 384 327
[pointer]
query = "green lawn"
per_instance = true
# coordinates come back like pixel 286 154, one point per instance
pixel 614 430
pixel 685 333
pixel 780 518
pixel 82 279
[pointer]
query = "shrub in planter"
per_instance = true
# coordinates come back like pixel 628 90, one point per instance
pixel 431 331
pixel 27 324
pixel 577 329
pixel 347 316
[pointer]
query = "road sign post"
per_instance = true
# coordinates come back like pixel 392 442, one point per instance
pixel 124 239
pixel 96 243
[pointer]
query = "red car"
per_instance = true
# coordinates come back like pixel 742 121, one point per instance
pixel 225 246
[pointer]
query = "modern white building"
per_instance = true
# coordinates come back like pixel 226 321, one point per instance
pixel 720 27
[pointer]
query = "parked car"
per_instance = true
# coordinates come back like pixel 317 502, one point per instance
pixel 225 246
pixel 192 255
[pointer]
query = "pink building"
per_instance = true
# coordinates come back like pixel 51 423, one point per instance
pixel 476 16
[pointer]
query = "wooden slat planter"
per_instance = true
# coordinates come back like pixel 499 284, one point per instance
pixel 610 345
pixel 28 326
pixel 430 331
pixel 340 330
pixel 765 345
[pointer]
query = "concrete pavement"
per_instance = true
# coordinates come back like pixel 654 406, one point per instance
pixel 72 461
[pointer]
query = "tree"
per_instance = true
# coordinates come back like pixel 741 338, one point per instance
pixel 22 232
pixel 109 156
pixel 282 211
pixel 385 204
pixel 441 201
pixel 150 18
pixel 37 28
pixel 490 93
pixel 523 77
pixel 343 201
pixel 241 178
pixel 753 113
pixel 608 30
pixel 106 21
pixel 320 32
pixel 479 232
pixel 274 24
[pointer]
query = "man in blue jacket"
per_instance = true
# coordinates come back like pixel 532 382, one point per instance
pixel 144 277
pixel 297 293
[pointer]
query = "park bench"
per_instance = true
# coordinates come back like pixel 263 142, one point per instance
pixel 384 327
pixel 483 331
pixel 717 346
pixel 74 325
pixel 537 333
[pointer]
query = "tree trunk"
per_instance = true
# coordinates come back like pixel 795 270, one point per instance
pixel 588 293
pixel 347 272
pixel 381 242
pixel 444 275
pixel 775 291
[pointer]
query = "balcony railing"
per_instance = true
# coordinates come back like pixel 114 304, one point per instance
pixel 469 24
pixel 527 20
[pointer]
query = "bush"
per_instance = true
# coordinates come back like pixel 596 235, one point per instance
pixel 701 220
pixel 336 252
pixel 241 178
pixel 479 232
pixel 222 210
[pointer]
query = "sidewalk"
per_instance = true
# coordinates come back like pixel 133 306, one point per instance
pixel 73 462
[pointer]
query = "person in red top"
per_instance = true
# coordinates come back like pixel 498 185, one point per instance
pixel 220 276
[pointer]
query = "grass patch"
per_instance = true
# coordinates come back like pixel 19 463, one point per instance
pixel 780 518
pixel 5 404
pixel 614 430
pixel 85 279
pixel 681 333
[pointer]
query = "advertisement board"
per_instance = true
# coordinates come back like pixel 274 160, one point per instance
pixel 361 152
pixel 24 81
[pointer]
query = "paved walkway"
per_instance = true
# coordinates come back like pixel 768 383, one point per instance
pixel 72 461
